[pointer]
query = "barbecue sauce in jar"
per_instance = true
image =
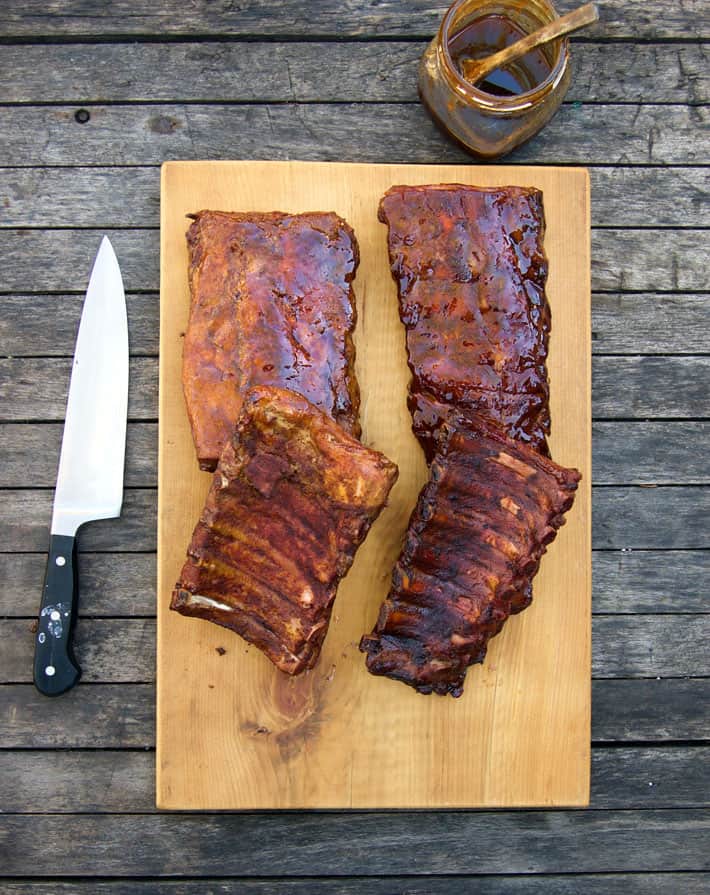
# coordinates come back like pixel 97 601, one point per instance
pixel 511 104
pixel 486 36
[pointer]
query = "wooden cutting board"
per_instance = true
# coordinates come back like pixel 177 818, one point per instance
pixel 233 732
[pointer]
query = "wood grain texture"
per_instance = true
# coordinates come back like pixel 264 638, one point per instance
pixel 633 517
pixel 108 781
pixel 628 453
pixel 650 581
pixel 627 135
pixel 579 134
pixel 129 197
pixel 409 757
pixel 649 19
pixel 357 843
pixel 122 716
pixel 358 71
pixel 655 517
pixel 622 323
pixel 672 387
pixel 21 337
pixel 679 267
pixel 29 454
pixel 25 516
pixel 525 884
pixel 123 584
pixel 650 323
pixel 112 584
pixel 120 650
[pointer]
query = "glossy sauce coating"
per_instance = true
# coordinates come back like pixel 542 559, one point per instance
pixel 474 543
pixel 272 304
pixel 486 35
pixel 291 500
pixel 471 272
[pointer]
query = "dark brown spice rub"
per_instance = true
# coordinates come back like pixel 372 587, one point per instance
pixel 271 304
pixel 292 499
pixel 471 272
pixel 475 540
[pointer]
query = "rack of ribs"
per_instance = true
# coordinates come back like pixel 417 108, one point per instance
pixel 271 304
pixel 291 500
pixel 475 540
pixel 471 272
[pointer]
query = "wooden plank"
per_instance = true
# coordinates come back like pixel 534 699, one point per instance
pixel 650 581
pixel 650 709
pixel 87 717
pixel 649 19
pixel 69 253
pixel 624 517
pixel 650 778
pixel 120 584
pixel 652 387
pixel 648 387
pixel 657 517
pixel 632 453
pixel 625 453
pixel 129 197
pixel 580 134
pixel 650 324
pixel 25 516
pixel 351 843
pixel 650 646
pixel 29 454
pixel 630 324
pixel 122 716
pixel 199 728
pixel 111 651
pixel 21 399
pixel 525 884
pixel 385 71
pixel 47 325
pixel 64 782
pixel 112 584
pixel 123 650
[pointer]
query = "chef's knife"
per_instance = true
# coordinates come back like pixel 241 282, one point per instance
pixel 90 477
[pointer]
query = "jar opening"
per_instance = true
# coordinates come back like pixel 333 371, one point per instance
pixel 465 14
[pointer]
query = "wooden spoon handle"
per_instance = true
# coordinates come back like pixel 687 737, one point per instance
pixel 476 69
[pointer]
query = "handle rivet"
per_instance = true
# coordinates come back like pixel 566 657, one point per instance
pixel 60 561
pixel 54 615
pixel 49 670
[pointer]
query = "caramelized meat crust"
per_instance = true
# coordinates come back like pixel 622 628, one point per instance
pixel 291 501
pixel 271 304
pixel 474 542
pixel 471 271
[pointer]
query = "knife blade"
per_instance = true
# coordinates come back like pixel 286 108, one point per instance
pixel 90 477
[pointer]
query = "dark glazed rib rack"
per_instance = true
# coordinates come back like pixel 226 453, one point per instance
pixel 474 542
pixel 272 304
pixel 471 271
pixel 291 501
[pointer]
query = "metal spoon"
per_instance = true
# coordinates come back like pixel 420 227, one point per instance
pixel 475 70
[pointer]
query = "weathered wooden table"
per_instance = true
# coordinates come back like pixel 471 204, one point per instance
pixel 94 96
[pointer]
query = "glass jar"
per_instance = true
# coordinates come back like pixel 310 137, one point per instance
pixel 486 124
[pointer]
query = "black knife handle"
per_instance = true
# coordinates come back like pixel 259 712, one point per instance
pixel 56 669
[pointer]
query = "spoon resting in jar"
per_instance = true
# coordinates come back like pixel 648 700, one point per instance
pixel 475 70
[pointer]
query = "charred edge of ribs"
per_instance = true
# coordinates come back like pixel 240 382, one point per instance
pixel 471 270
pixel 291 500
pixel 474 543
pixel 271 304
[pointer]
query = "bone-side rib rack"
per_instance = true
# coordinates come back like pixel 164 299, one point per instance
pixel 292 499
pixel 475 539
